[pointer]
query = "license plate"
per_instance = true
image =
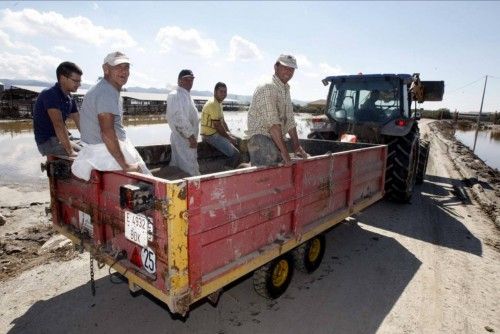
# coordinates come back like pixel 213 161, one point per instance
pixel 85 223
pixel 138 228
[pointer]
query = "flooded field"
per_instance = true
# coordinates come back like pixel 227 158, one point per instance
pixel 21 160
pixel 487 145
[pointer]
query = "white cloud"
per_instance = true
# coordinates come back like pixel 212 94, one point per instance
pixel 34 66
pixel 311 70
pixel 32 22
pixel 142 79
pixel 327 70
pixel 24 61
pixel 95 5
pixel 189 41
pixel 63 49
pixel 6 43
pixel 242 49
pixel 303 61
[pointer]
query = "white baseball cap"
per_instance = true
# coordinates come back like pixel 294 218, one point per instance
pixel 116 58
pixel 287 60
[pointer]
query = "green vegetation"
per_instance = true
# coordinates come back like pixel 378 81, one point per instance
pixel 315 110
pixel 442 113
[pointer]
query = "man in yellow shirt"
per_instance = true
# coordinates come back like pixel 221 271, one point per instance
pixel 214 129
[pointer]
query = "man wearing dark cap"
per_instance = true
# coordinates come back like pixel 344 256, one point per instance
pixel 182 117
pixel 270 118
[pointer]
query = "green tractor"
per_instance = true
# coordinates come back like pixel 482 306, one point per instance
pixel 377 108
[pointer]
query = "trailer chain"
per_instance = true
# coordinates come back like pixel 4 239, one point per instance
pixel 92 281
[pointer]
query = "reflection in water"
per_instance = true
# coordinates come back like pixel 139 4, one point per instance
pixel 487 145
pixel 13 128
pixel 21 160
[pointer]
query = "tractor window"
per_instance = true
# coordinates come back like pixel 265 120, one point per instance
pixel 365 101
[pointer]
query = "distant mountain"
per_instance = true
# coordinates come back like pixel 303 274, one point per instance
pixel 241 98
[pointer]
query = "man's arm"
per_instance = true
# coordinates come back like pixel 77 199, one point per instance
pixel 61 130
pixel 106 123
pixel 222 130
pixel 275 132
pixel 299 151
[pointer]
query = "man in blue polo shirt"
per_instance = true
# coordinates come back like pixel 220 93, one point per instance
pixel 53 106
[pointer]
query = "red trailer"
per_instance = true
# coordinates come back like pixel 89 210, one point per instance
pixel 184 238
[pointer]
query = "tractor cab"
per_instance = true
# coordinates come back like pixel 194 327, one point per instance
pixel 376 99
pixel 370 106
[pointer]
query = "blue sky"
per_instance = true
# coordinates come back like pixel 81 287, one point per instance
pixel 238 43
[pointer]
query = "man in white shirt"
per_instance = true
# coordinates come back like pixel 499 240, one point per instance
pixel 182 117
pixel 106 146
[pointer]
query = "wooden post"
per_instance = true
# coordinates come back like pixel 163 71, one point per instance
pixel 479 116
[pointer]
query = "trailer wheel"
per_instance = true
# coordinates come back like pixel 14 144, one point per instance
pixel 272 279
pixel 401 169
pixel 309 255
pixel 423 157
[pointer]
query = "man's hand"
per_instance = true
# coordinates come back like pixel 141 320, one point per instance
pixel 286 159
pixel 299 152
pixel 193 143
pixel 131 167
pixel 233 140
pixel 72 153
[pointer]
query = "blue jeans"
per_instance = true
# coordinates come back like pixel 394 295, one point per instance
pixel 224 145
pixel 263 151
pixel 52 146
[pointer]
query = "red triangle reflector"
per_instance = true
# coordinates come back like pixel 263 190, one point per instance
pixel 136 258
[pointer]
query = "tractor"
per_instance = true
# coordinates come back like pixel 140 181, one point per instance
pixel 377 108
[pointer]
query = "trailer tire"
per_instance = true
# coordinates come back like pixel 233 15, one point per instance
pixel 272 279
pixel 309 255
pixel 401 167
pixel 423 157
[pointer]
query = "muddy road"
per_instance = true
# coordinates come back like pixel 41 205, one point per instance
pixel 427 267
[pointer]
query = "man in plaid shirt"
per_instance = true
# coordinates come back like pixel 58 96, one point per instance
pixel 270 118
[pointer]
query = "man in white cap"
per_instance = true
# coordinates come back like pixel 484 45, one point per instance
pixel 101 124
pixel 270 118
pixel 182 117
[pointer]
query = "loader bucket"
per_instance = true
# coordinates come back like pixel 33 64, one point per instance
pixel 433 90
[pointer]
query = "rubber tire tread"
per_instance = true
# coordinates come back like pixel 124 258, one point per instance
pixel 423 157
pixel 300 258
pixel 262 280
pixel 399 178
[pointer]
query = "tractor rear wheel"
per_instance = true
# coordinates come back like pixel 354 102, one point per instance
pixel 402 163
pixel 423 157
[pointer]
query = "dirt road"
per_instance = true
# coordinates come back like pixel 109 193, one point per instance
pixel 431 266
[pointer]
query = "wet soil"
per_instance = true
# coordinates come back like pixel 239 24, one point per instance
pixel 481 179
pixel 24 245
